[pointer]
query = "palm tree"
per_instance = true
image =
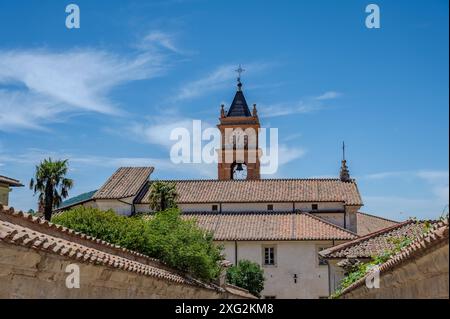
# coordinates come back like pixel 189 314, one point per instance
pixel 162 196
pixel 51 184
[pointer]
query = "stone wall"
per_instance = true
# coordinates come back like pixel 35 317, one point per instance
pixel 425 277
pixel 30 273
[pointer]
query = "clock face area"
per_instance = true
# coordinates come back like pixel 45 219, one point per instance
pixel 239 171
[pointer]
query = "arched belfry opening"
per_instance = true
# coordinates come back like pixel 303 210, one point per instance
pixel 239 171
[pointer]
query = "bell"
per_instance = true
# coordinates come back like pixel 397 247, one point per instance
pixel 239 167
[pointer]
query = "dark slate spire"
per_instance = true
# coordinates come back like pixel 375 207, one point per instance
pixel 239 105
pixel 344 174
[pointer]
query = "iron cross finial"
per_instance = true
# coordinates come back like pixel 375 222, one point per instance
pixel 239 71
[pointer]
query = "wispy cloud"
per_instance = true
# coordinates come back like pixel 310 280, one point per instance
pixel 308 105
pixel 156 39
pixel 431 204
pixel 157 131
pixel 401 208
pixel 330 95
pixel 38 86
pixel 215 80
pixel 287 154
pixel 77 162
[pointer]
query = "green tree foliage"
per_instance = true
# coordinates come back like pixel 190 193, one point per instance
pixel 247 275
pixel 165 235
pixel 51 184
pixel 163 196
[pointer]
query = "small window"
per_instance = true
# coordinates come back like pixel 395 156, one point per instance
pixel 269 256
pixel 321 261
pixel 270 207
pixel 315 206
pixel 270 297
pixel 215 208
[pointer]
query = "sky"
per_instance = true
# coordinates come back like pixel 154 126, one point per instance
pixel 107 94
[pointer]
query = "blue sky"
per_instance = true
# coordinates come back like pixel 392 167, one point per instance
pixel 105 95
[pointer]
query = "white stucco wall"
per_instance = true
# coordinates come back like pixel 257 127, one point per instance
pixel 336 274
pixel 122 207
pixel 248 207
pixel 334 218
pixel 292 257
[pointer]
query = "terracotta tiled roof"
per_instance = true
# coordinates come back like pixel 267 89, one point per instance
pixel 268 226
pixel 10 181
pixel 367 223
pixel 374 243
pixel 125 182
pixel 21 229
pixel 263 190
pixel 238 291
pixel 423 244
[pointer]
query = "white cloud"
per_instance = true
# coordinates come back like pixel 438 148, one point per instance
pixel 158 38
pixel 401 208
pixel 221 77
pixel 383 175
pixel 436 179
pixel 430 206
pixel 285 109
pixel 38 86
pixel 79 161
pixel 288 154
pixel 330 95
pixel 308 105
pixel 158 130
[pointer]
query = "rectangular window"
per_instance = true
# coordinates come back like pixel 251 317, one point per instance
pixel 321 261
pixel 315 206
pixel 270 207
pixel 215 208
pixel 269 256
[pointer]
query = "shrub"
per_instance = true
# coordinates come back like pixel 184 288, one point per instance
pixel 247 275
pixel 178 243
pixel 184 245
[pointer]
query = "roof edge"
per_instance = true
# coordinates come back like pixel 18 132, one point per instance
pixel 431 239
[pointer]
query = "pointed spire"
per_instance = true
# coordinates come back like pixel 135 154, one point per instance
pixel 345 173
pixel 239 107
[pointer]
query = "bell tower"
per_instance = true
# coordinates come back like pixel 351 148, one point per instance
pixel 239 149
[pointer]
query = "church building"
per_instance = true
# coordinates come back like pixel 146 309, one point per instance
pixel 281 224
